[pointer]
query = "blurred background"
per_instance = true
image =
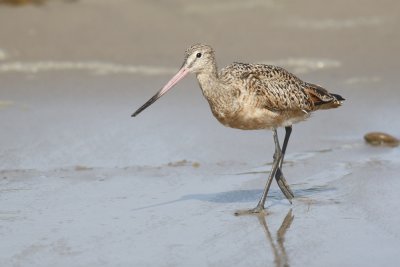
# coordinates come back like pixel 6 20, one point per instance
pixel 156 33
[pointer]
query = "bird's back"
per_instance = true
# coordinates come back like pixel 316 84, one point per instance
pixel 275 88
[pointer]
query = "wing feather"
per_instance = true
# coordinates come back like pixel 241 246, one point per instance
pixel 270 87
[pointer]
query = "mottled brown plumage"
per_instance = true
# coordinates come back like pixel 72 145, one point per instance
pixel 251 97
pixel 257 96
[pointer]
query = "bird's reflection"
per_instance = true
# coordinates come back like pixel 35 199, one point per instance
pixel 278 245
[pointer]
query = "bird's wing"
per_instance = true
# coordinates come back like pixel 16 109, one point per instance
pixel 271 87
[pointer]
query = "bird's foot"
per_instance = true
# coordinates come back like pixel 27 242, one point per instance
pixel 259 210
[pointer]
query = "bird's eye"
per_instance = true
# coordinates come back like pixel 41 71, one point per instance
pixel 198 55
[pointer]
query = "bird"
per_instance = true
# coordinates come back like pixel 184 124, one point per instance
pixel 253 97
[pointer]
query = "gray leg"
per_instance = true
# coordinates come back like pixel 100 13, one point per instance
pixel 275 166
pixel 280 179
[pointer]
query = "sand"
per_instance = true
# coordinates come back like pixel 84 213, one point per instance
pixel 84 184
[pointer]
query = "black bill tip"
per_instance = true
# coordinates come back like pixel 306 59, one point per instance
pixel 148 103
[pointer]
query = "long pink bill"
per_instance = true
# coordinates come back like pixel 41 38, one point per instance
pixel 174 80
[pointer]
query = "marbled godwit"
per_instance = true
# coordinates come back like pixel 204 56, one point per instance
pixel 253 97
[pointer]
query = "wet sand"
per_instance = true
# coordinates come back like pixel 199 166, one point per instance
pixel 84 184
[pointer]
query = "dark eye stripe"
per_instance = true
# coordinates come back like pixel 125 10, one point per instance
pixel 198 55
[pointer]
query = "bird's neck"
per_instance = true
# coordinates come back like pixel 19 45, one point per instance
pixel 208 80
pixel 216 92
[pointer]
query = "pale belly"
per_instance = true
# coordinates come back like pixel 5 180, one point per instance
pixel 256 119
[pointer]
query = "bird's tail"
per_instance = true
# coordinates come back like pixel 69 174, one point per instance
pixel 321 98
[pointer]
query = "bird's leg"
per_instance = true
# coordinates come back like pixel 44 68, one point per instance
pixel 280 179
pixel 275 166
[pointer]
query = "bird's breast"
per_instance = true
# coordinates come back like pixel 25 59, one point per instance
pixel 245 118
pixel 233 110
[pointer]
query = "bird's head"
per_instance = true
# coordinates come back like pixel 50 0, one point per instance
pixel 198 58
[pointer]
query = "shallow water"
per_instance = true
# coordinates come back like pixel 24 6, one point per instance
pixel 84 184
